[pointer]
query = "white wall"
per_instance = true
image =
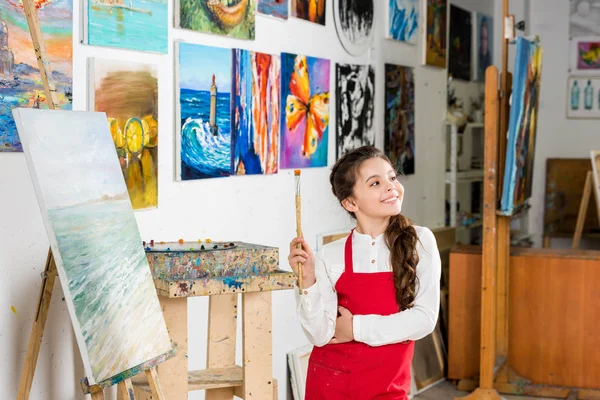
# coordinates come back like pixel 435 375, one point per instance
pixel 258 209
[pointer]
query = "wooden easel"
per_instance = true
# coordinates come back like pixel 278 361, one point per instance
pixel 35 341
pixel 585 201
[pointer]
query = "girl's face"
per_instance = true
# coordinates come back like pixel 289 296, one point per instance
pixel 377 192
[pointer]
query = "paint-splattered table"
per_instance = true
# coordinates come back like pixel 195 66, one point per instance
pixel 222 271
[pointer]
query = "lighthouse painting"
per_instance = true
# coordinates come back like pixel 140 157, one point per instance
pixel 204 112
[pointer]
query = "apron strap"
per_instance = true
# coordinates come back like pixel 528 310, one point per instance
pixel 348 263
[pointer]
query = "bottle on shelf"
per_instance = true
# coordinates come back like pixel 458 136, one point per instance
pixel 575 93
pixel 589 95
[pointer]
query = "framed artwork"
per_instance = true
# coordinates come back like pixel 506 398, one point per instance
pixel 236 20
pixel 484 45
pixel 436 39
pixel 354 24
pixel 310 10
pixel 584 19
pixel 273 8
pixel 459 43
pixel 584 56
pixel 402 20
pixel 583 97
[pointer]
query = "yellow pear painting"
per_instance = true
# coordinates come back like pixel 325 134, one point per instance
pixel 128 94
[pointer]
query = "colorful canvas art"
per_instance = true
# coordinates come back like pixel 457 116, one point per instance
pixel 399 127
pixel 588 55
pixel 204 112
pixel 234 18
pixel 436 40
pixel 93 234
pixel 403 20
pixel 522 126
pixel 459 44
pixel 20 81
pixel 484 43
pixel 355 107
pixel 133 122
pixel 273 8
pixel 305 122
pixel 310 10
pixel 354 24
pixel 128 24
pixel 256 116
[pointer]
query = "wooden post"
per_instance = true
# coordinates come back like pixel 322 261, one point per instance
pixel 40 53
pixel 37 330
pixel 583 206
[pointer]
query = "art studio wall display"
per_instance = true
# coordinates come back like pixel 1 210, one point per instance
pixel 203 111
pixel 20 80
pixel 435 32
pixel 128 93
pixel 522 126
pixel 399 127
pixel 107 284
pixel 354 24
pixel 236 20
pixel 584 18
pixel 484 51
pixel 583 97
pixel 310 10
pixel 355 107
pixel 459 43
pixel 273 8
pixel 402 20
pixel 128 24
pixel 305 122
pixel 256 116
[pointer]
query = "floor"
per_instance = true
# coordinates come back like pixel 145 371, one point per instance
pixel 447 391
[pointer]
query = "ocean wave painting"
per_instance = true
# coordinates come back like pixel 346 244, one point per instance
pixel 205 111
pixel 108 287
pixel 403 20
pixel 273 8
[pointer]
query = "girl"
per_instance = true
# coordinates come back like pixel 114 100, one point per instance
pixel 368 297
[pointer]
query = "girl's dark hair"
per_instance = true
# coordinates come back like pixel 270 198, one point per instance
pixel 400 235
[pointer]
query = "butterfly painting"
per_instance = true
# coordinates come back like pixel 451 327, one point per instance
pixel 305 123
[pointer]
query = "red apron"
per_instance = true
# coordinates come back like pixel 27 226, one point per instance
pixel 356 370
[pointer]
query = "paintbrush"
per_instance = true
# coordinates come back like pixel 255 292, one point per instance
pixel 298 225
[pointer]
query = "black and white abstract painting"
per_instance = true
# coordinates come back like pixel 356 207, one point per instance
pixel 355 107
pixel 354 24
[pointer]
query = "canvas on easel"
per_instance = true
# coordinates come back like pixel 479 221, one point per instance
pixel 95 243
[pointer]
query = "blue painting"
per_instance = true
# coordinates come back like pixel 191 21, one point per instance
pixel 204 112
pixel 403 20
pixel 128 24
pixel 103 269
pixel 273 8
pixel 484 43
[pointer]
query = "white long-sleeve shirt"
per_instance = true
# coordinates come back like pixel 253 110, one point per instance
pixel 317 307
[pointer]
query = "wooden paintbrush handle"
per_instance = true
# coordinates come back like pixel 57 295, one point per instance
pixel 299 234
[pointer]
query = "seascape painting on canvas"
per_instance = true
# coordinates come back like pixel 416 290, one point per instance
pixel 399 128
pixel 305 122
pixel 128 24
pixel 133 122
pixel 93 233
pixel 204 107
pixel 256 116
pixel 233 18
pixel 273 8
pixel 355 107
pixel 20 81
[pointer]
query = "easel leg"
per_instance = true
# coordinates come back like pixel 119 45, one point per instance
pixel 126 389
pixel 583 206
pixel 37 331
pixel 173 373
pixel 155 387
pixel 222 326
pixel 98 396
pixel 257 345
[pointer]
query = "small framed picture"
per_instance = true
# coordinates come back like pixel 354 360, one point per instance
pixel 583 97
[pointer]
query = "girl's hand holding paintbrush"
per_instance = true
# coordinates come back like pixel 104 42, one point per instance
pixel 305 257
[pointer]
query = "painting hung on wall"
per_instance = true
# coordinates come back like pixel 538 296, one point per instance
pixel 459 44
pixel 522 126
pixel 133 122
pixel 354 24
pixel 399 127
pixel 310 10
pixel 585 56
pixel 273 8
pixel 20 80
pixel 583 94
pixel 403 20
pixel 256 117
pixel 305 122
pixel 93 234
pixel 483 45
pixel 128 24
pixel 355 107
pixel 204 112
pixel 584 19
pixel 235 18
pixel 436 40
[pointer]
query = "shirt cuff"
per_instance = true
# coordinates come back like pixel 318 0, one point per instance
pixel 356 324
pixel 310 296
